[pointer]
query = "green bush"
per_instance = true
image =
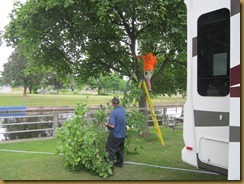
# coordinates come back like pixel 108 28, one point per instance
pixel 104 94
pixel 64 91
pixel 83 143
pixel 135 126
pixel 75 92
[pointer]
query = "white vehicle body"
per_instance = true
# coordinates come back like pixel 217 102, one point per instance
pixel 212 112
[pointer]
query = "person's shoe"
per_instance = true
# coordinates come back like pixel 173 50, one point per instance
pixel 119 165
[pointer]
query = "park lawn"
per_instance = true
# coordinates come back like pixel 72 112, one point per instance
pixel 50 99
pixel 28 166
pixel 17 99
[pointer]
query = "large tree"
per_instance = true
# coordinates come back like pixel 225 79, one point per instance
pixel 19 72
pixel 93 37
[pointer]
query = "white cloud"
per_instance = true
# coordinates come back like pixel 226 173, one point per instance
pixel 6 7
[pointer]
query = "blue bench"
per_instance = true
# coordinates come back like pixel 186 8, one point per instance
pixel 13 108
pixel 12 111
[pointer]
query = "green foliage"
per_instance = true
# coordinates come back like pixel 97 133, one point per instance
pixel 93 37
pixel 1 79
pixel 83 143
pixel 132 94
pixel 112 82
pixel 18 71
pixel 175 75
pixel 135 119
pixel 135 126
pixel 64 91
pixel 104 94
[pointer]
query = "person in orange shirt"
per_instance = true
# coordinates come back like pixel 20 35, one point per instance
pixel 150 61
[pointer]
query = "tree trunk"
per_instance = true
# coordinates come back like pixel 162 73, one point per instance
pixel 25 91
pixel 99 90
pixel 30 90
pixel 25 88
pixel 139 74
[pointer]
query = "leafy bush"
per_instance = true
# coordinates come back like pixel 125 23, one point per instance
pixel 83 143
pixel 132 95
pixel 135 126
pixel 104 94
pixel 75 92
pixel 64 91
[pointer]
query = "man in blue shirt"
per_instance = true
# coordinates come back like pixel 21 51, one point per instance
pixel 116 138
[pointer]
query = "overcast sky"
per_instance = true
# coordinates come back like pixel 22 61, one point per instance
pixel 5 8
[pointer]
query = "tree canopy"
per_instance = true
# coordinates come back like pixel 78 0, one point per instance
pixel 16 72
pixel 93 37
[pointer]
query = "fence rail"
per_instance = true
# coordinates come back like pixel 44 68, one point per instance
pixel 33 130
pixel 165 115
pixel 26 123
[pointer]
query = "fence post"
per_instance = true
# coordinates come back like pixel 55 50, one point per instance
pixel 164 119
pixel 55 123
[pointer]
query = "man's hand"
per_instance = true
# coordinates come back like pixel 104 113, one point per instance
pixel 109 125
pixel 136 57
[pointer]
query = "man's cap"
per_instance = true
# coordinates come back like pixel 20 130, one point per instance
pixel 115 100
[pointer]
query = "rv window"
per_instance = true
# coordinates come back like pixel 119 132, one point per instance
pixel 213 53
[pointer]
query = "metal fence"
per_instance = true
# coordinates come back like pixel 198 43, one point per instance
pixel 25 127
pixel 43 126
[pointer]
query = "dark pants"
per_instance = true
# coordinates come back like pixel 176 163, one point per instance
pixel 115 148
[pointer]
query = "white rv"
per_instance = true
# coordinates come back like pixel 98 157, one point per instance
pixel 212 112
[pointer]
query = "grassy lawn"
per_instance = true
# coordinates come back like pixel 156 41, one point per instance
pixel 49 99
pixel 29 166
pixel 17 99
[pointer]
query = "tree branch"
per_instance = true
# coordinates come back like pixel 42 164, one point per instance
pixel 142 29
pixel 163 66
pixel 126 26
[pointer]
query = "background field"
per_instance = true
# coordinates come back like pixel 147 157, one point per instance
pixel 17 99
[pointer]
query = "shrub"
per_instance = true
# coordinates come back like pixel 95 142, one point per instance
pixel 103 94
pixel 135 126
pixel 83 143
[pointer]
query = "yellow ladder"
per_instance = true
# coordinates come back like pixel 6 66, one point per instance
pixel 154 117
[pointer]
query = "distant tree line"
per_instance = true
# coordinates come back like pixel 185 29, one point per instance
pixel 19 72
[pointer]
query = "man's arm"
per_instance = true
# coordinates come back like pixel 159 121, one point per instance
pixel 136 57
pixel 111 120
pixel 109 125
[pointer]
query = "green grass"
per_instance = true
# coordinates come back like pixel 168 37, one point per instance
pixel 26 166
pixel 17 99
pixel 49 99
